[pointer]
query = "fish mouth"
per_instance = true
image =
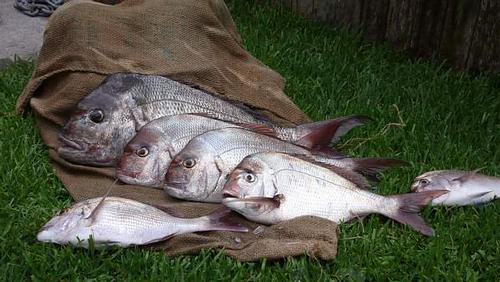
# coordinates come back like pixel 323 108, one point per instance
pixel 230 194
pixel 177 185
pixel 70 144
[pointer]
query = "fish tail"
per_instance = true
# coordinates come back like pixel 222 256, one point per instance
pixel 320 135
pixel 220 220
pixel 372 167
pixel 408 207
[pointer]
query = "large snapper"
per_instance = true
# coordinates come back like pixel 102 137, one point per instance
pixel 199 171
pixel 147 156
pixel 105 120
pixel 272 187
pixel 124 222
pixel 465 187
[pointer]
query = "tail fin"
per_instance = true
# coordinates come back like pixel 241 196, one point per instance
pixel 219 220
pixel 372 167
pixel 321 134
pixel 409 206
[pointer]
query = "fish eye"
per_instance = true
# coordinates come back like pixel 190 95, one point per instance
pixel 142 152
pixel 96 116
pixel 189 163
pixel 424 182
pixel 249 177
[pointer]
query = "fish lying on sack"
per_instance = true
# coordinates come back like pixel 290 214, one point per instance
pixel 272 187
pixel 123 222
pixel 465 187
pixel 105 120
pixel 199 171
pixel 147 156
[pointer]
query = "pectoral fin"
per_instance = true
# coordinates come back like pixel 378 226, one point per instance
pixel 263 202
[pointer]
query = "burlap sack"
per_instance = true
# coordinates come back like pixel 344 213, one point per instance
pixel 192 41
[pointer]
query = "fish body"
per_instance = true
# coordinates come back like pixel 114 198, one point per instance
pixel 122 222
pixel 105 120
pixel 199 171
pixel 272 187
pixel 147 156
pixel 465 187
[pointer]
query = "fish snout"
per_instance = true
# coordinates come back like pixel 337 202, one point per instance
pixel 176 179
pixel 69 143
pixel 231 190
pixel 414 186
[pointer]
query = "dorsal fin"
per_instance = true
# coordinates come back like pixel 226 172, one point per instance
pixel 259 128
pixel 354 177
pixel 98 207
pixel 466 176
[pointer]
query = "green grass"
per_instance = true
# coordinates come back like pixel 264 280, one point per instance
pixel 448 120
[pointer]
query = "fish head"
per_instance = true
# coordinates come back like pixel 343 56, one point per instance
pixel 193 174
pixel 250 189
pixel 67 225
pixel 432 181
pixel 145 158
pixel 101 124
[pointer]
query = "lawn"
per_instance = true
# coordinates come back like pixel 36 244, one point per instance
pixel 440 119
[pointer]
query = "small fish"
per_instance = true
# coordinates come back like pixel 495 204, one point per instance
pixel 465 187
pixel 272 187
pixel 123 222
pixel 199 171
pixel 105 120
pixel 147 156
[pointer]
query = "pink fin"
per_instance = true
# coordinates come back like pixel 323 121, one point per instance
pixel 259 128
pixel 372 167
pixel 219 220
pixel 410 205
pixel 323 133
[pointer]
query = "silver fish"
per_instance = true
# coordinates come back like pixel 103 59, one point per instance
pixel 272 187
pixel 199 171
pixel 147 156
pixel 465 187
pixel 105 120
pixel 124 222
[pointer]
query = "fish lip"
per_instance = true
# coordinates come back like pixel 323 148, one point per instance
pixel 177 185
pixel 230 194
pixel 229 199
pixel 70 144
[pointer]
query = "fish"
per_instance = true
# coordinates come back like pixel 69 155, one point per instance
pixel 106 120
pixel 146 157
pixel 465 187
pixel 272 187
pixel 198 172
pixel 115 221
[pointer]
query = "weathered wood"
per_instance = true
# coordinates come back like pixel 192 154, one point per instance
pixel 464 33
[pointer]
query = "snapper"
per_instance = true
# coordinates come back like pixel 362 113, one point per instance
pixel 464 187
pixel 123 222
pixel 272 187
